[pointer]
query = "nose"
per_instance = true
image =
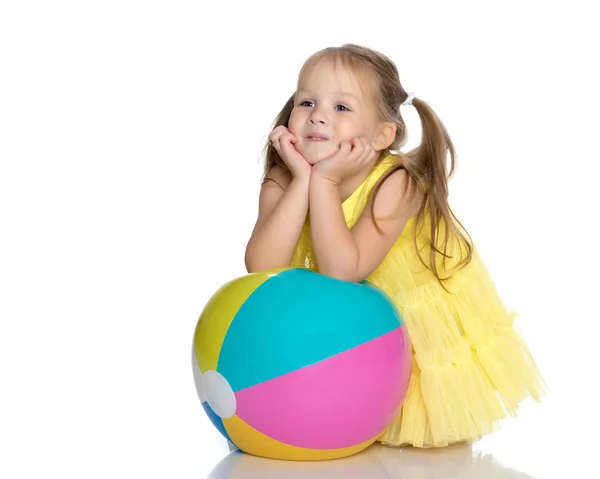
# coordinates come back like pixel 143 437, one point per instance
pixel 318 116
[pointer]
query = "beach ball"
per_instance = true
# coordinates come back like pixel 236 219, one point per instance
pixel 291 364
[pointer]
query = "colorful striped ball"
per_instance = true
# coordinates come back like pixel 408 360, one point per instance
pixel 291 364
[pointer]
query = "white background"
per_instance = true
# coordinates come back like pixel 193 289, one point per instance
pixel 130 139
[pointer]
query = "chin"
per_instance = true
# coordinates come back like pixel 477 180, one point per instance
pixel 316 153
pixel 313 159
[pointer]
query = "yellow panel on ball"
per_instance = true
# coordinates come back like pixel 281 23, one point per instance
pixel 253 442
pixel 219 313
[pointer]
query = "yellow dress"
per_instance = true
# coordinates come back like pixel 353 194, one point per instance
pixel 470 366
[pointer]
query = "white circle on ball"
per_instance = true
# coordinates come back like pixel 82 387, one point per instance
pixel 219 394
pixel 198 378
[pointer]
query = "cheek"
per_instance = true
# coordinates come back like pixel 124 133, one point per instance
pixel 346 131
pixel 295 122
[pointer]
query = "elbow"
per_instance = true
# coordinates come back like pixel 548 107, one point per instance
pixel 341 273
pixel 249 268
pixel 255 262
pixel 257 267
pixel 249 261
pixel 344 268
pixel 252 266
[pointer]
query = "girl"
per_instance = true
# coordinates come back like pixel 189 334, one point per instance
pixel 335 199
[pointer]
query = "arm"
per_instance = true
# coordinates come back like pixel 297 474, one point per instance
pixel 352 255
pixel 283 205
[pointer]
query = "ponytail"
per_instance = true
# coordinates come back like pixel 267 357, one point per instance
pixel 427 166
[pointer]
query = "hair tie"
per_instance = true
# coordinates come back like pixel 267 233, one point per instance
pixel 409 100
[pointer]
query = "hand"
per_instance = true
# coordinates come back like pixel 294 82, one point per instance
pixel 351 157
pixel 283 141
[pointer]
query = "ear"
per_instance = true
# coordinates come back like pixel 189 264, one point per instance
pixel 385 137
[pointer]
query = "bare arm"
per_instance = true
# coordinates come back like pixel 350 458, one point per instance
pixel 352 255
pixel 283 206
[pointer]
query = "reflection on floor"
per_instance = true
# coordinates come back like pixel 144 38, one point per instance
pixel 377 462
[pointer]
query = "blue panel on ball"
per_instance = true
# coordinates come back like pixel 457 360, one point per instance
pixel 216 420
pixel 297 318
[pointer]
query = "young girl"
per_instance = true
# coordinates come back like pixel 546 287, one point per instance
pixel 335 199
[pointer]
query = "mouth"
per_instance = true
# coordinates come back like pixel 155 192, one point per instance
pixel 316 137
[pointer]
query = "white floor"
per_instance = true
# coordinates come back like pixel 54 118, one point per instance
pixel 380 462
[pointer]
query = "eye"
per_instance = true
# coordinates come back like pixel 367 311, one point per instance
pixel 304 103
pixel 342 108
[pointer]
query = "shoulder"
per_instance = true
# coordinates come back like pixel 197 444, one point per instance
pixel 398 195
pixel 279 176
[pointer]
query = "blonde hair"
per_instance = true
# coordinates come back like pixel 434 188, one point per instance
pixel 426 164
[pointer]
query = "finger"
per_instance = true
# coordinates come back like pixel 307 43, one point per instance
pixel 358 150
pixel 291 138
pixel 277 133
pixel 345 147
pixel 277 148
pixel 342 152
pixel 288 138
pixel 284 149
pixel 373 152
pixel 279 130
pixel 368 151
pixel 285 144
pixel 282 136
pixel 275 142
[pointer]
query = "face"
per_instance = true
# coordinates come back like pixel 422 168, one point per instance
pixel 330 107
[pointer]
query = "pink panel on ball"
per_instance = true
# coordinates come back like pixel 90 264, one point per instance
pixel 338 402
